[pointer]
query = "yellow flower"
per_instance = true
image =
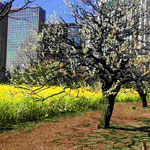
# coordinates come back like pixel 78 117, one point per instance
pixel 31 101
pixel 46 115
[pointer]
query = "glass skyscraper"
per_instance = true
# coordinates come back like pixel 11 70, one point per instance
pixel 73 34
pixel 20 24
pixel 3 41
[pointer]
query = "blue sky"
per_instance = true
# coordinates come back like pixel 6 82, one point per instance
pixel 50 6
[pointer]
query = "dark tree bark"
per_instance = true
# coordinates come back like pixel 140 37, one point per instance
pixel 110 100
pixel 142 94
pixel 143 97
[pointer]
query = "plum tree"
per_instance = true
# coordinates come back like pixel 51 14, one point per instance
pixel 113 34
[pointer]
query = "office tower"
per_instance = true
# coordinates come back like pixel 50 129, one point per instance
pixel 3 41
pixel 20 25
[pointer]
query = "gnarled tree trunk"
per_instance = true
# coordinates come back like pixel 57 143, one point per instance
pixel 109 101
pixel 143 98
pixel 109 95
pixel 142 94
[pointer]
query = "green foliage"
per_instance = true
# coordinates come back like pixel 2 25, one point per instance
pixel 37 74
pixel 127 98
pixel 133 107
pixel 129 85
pixel 29 110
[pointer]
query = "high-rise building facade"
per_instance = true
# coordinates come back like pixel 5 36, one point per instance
pixel 3 41
pixel 20 24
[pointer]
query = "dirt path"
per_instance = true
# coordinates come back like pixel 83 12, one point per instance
pixel 130 128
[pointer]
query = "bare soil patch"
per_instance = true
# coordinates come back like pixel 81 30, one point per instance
pixel 130 129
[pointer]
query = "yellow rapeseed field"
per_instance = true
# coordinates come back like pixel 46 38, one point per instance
pixel 10 92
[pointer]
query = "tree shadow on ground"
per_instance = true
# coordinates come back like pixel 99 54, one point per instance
pixel 141 129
